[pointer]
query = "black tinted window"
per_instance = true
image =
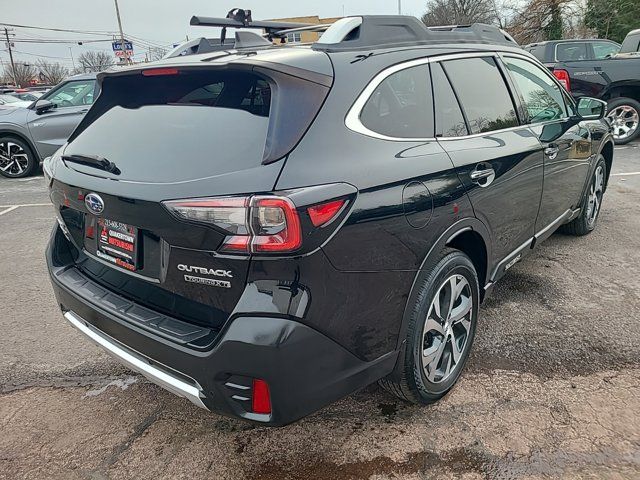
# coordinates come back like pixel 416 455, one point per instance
pixel 401 106
pixel 571 51
pixel 483 94
pixel 541 95
pixel 449 119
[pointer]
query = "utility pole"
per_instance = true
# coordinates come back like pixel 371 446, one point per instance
pixel 124 51
pixel 72 61
pixel 399 7
pixel 13 66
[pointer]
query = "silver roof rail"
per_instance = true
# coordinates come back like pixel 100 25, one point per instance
pixel 339 31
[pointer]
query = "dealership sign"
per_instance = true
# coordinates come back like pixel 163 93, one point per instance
pixel 119 51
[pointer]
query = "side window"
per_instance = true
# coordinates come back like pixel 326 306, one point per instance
pixel 604 50
pixel 401 106
pixel 571 51
pixel 483 93
pixel 73 94
pixel 543 99
pixel 449 119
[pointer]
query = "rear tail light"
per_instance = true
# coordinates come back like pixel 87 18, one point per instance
pixel 325 212
pixel 563 78
pixel 261 400
pixel 259 224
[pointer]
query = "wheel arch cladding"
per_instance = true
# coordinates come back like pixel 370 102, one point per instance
pixel 472 244
pixel 607 153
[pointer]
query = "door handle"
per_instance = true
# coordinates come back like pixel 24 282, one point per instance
pixel 483 176
pixel 552 151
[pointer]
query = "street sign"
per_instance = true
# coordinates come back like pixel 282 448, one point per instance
pixel 117 46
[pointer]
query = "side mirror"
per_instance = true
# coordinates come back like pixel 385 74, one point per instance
pixel 43 106
pixel 591 108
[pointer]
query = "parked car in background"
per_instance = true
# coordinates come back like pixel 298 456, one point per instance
pixel 614 80
pixel 28 135
pixel 553 51
pixel 27 95
pixel 631 44
pixel 12 101
pixel 284 226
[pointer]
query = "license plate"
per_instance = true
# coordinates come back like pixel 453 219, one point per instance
pixel 117 243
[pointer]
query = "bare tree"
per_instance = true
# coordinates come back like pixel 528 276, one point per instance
pixel 52 73
pixel 94 62
pixel 460 12
pixel 538 20
pixel 22 74
pixel 156 53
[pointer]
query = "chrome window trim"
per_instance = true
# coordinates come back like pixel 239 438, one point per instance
pixel 353 123
pixel 352 120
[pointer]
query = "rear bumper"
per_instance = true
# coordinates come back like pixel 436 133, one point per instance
pixel 305 370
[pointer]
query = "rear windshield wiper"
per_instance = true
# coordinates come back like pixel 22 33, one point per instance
pixel 93 161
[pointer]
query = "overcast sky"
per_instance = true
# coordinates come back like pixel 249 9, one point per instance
pixel 152 22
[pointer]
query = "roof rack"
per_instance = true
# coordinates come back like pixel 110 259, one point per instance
pixel 377 31
pixel 349 33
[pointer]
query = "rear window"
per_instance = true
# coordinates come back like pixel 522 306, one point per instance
pixel 180 127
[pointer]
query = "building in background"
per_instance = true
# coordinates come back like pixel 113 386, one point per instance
pixel 305 37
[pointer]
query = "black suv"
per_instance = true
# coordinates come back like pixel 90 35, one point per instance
pixel 266 229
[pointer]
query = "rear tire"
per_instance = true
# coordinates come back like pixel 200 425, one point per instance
pixel 586 222
pixel 624 115
pixel 440 331
pixel 17 160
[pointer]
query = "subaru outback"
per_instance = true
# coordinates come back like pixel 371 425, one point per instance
pixel 286 224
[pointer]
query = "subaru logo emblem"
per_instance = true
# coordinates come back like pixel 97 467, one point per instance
pixel 94 203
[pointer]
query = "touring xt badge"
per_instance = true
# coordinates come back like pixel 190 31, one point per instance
pixel 206 271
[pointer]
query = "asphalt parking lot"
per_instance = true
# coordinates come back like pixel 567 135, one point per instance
pixel 552 389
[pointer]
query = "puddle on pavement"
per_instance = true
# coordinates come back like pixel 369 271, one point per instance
pixel 457 462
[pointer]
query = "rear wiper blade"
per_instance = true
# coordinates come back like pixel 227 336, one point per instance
pixel 93 161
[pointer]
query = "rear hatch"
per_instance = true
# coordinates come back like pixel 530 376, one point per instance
pixel 167 134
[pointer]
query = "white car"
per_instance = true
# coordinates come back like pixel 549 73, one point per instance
pixel 7 100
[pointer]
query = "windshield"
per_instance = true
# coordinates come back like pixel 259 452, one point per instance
pixel 8 99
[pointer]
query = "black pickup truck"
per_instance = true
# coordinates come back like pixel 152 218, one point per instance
pixel 615 80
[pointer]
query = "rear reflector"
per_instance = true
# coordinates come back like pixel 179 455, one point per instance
pixel 261 401
pixel 156 72
pixel 563 78
pixel 324 213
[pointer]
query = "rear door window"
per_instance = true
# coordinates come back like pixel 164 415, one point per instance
pixel 571 51
pixel 449 119
pixel 401 106
pixel 483 93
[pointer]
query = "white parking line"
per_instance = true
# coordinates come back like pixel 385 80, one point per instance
pixel 27 205
pixel 10 209
pixel 624 174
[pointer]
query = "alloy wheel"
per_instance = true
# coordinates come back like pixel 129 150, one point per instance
pixel 445 336
pixel 624 121
pixel 14 160
pixel 595 195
